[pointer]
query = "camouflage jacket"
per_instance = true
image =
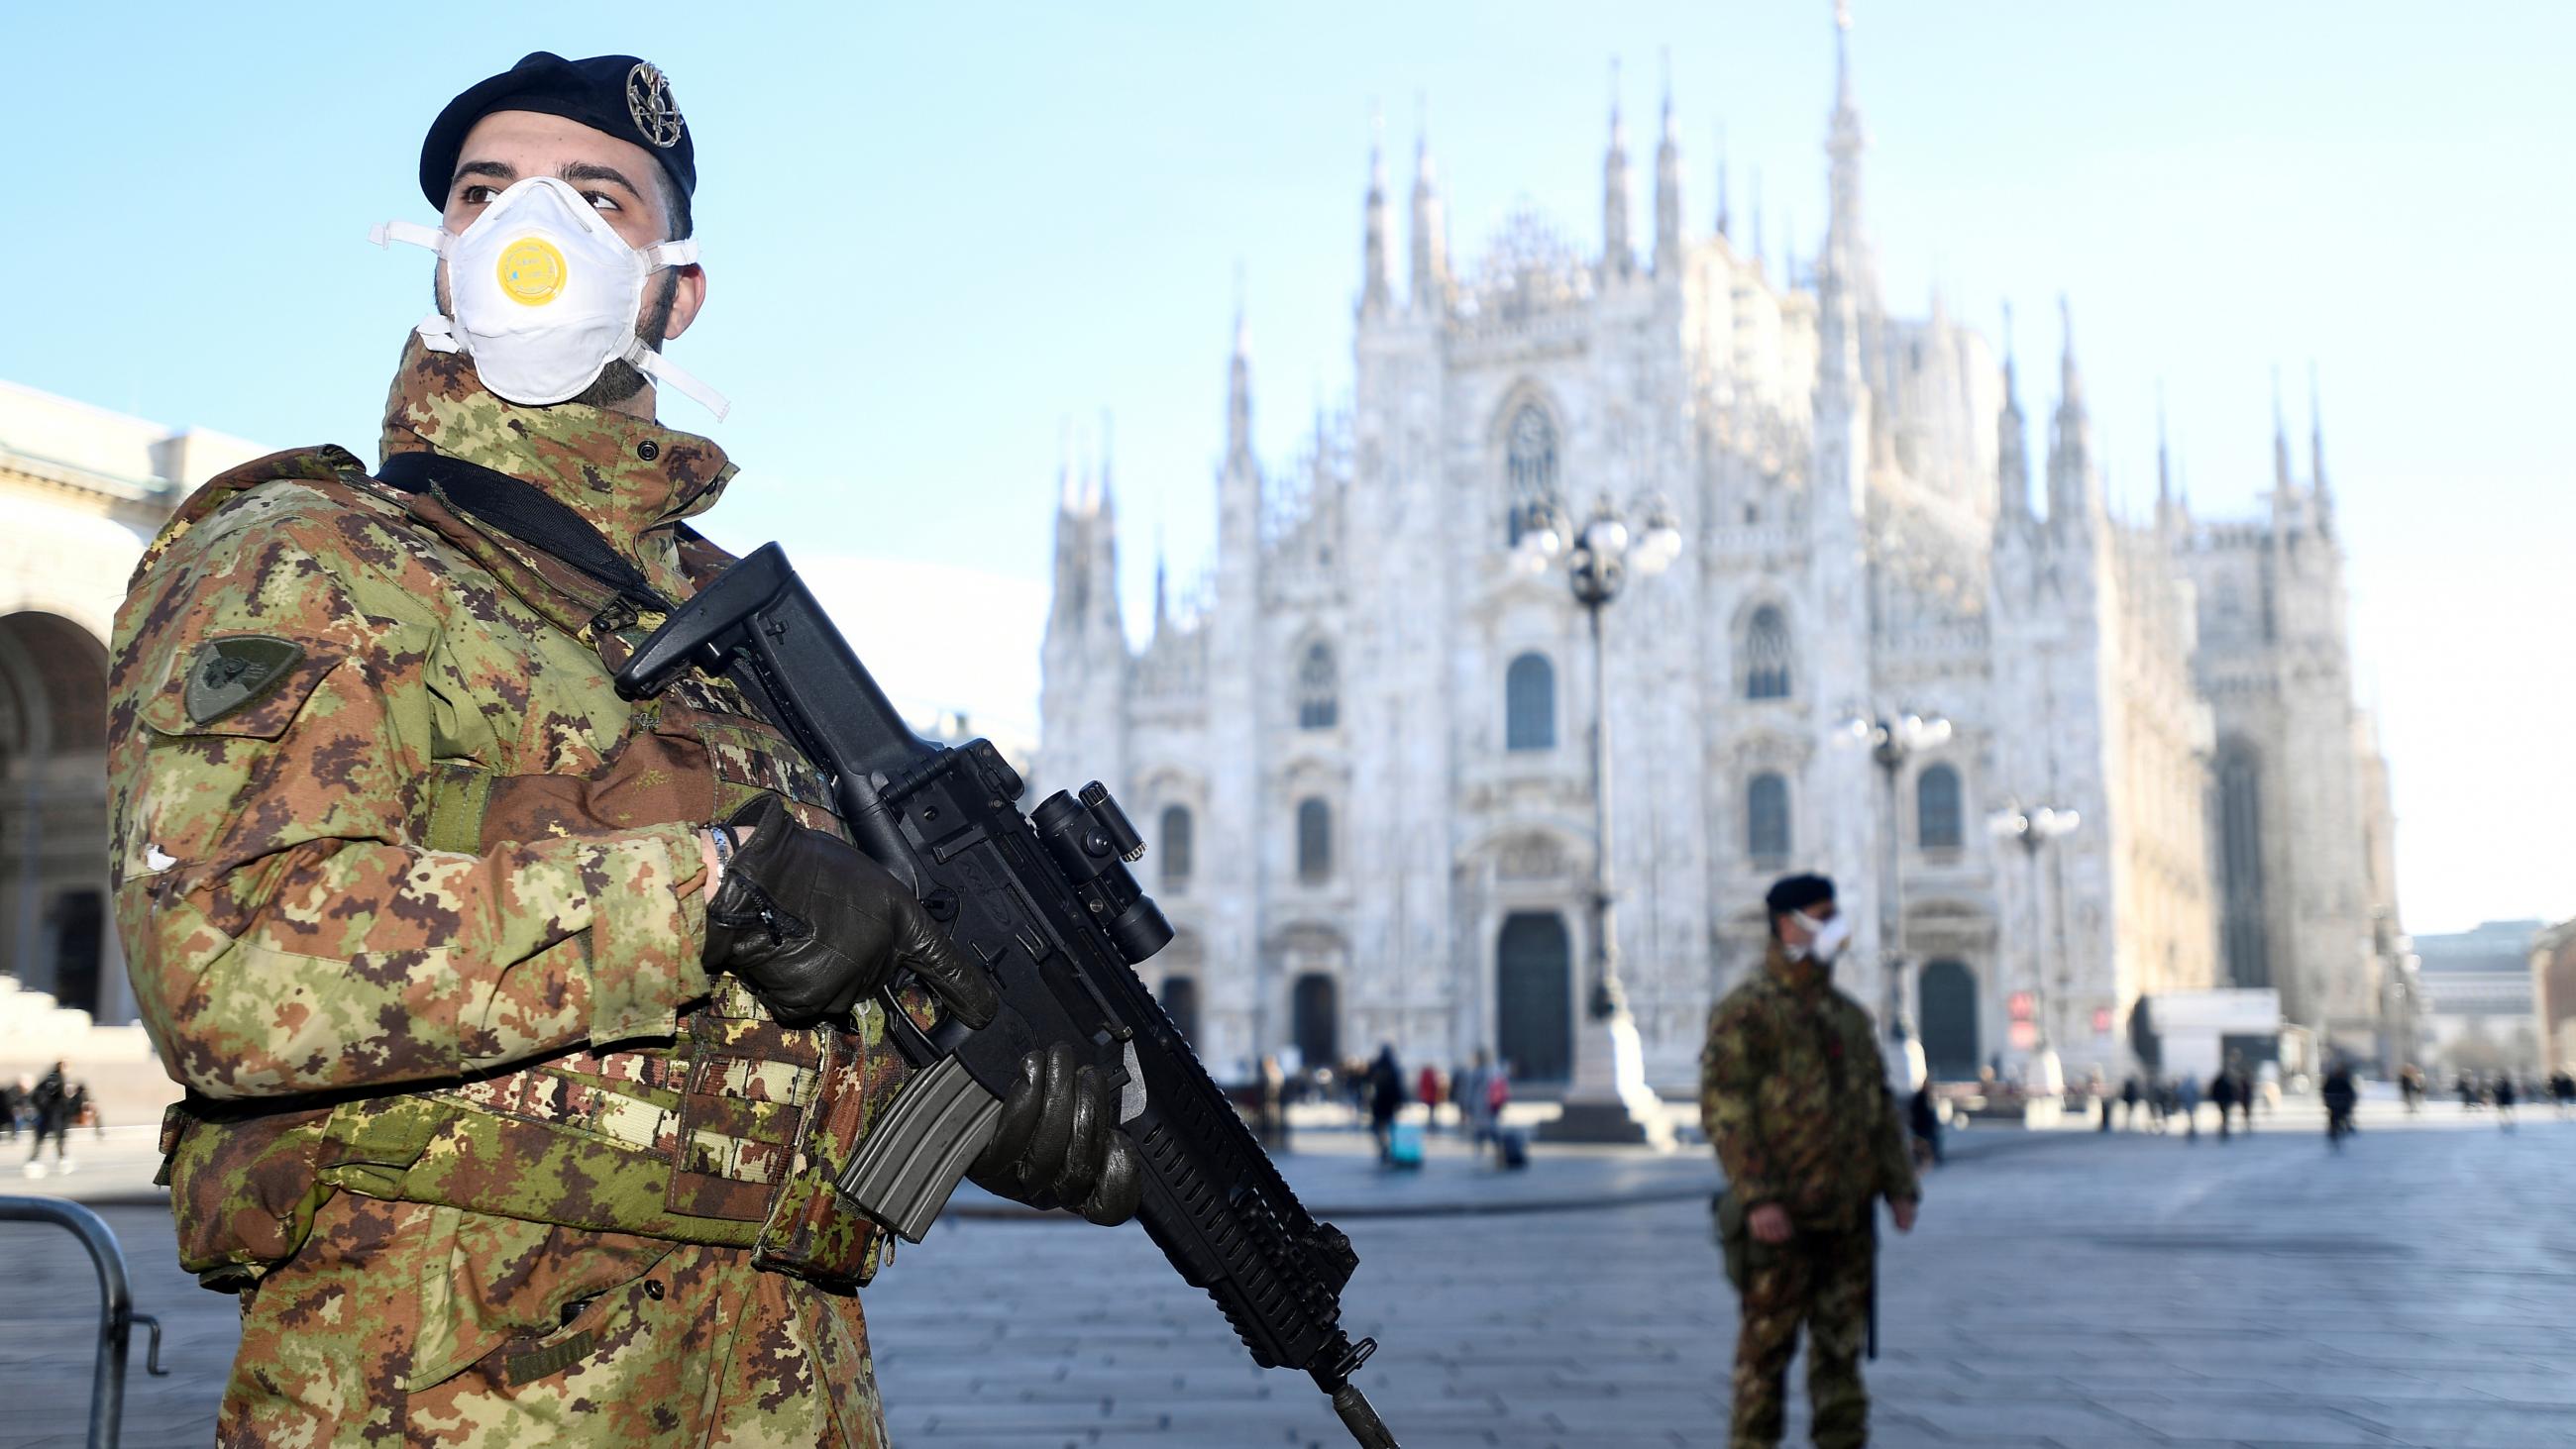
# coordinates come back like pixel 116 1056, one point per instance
pixel 1794 1097
pixel 412 899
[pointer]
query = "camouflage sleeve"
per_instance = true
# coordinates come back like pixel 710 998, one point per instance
pixel 285 929
pixel 1730 1110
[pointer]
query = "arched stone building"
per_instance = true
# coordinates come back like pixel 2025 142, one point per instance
pixel 82 490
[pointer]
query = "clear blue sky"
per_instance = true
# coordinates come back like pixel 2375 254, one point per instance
pixel 934 233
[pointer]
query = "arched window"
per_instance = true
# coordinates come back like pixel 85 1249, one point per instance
pixel 1766 817
pixel 1766 655
pixel 1181 1004
pixel 1529 467
pixel 1936 808
pixel 1176 846
pixel 1314 841
pixel 2241 930
pixel 1319 689
pixel 1315 1017
pixel 1529 704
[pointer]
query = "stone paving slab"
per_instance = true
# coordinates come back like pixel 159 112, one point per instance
pixel 2109 1291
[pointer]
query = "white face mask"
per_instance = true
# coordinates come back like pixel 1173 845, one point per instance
pixel 546 294
pixel 1825 938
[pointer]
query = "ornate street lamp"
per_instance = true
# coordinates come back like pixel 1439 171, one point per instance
pixel 2032 829
pixel 1613 1104
pixel 1892 741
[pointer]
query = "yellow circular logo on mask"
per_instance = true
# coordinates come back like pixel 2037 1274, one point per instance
pixel 531 271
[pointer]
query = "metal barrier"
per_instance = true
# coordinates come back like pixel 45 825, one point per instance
pixel 116 1317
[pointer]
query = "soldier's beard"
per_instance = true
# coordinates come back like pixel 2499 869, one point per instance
pixel 619 380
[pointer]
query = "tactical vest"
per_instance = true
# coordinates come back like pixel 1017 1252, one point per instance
pixel 731 1134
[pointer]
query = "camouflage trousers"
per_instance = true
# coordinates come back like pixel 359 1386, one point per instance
pixel 400 1324
pixel 1821 1279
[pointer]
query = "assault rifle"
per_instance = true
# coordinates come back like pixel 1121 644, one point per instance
pixel 1047 902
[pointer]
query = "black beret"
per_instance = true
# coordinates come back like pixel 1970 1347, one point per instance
pixel 1797 892
pixel 618 94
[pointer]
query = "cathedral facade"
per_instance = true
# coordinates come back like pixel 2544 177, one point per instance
pixel 1362 757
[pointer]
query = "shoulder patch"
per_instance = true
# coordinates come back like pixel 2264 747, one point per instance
pixel 232 671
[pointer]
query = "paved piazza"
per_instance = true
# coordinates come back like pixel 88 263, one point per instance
pixel 2072 1290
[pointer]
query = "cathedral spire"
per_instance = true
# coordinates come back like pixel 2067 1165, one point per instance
pixel 1103 561
pixel 2317 453
pixel 2073 498
pixel 1668 187
pixel 1238 389
pixel 1618 258
pixel 1430 223
pixel 2282 483
pixel 2012 455
pixel 1162 557
pixel 1723 228
pixel 1760 247
pixel 2168 515
pixel 1377 284
pixel 2316 435
pixel 1846 263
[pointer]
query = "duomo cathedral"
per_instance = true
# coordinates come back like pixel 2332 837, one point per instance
pixel 1363 763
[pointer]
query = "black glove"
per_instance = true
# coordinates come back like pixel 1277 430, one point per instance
pixel 813 926
pixel 1059 1143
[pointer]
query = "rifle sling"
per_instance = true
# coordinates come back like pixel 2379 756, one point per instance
pixel 525 512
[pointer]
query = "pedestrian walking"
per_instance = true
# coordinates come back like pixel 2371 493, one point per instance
pixel 13 1104
pixel 1474 1111
pixel 1923 1119
pixel 2243 1086
pixel 2130 1093
pixel 2505 1092
pixel 2222 1095
pixel 1795 1101
pixel 1429 1089
pixel 2471 1097
pixel 2562 1090
pixel 2187 1104
pixel 50 1102
pixel 1385 1097
pixel 2340 1096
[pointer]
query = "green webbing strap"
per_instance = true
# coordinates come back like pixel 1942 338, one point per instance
pixel 458 796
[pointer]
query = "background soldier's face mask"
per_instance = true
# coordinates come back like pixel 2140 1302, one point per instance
pixel 1825 937
pixel 545 294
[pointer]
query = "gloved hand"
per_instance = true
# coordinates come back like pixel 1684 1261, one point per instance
pixel 1059 1143
pixel 813 926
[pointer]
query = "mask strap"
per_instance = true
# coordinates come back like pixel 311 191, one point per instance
pixel 438 333
pixel 681 253
pixel 662 370
pixel 434 238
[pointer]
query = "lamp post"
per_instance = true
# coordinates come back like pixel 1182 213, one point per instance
pixel 2032 829
pixel 1610 1100
pixel 1891 742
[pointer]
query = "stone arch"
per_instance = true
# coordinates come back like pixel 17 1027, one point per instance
pixel 1534 995
pixel 1947 1011
pixel 53 813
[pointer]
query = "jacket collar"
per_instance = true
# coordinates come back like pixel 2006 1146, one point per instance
pixel 624 475
pixel 1805 976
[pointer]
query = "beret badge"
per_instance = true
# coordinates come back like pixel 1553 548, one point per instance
pixel 648 101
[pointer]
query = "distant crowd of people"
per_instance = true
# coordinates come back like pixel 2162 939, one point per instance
pixel 48 1107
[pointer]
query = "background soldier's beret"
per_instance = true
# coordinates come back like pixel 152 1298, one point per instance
pixel 1797 892
pixel 619 94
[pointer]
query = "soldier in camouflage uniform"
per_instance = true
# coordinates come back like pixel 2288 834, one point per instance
pixel 1794 1098
pixel 516 1077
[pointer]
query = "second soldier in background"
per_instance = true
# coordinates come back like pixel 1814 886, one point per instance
pixel 1794 1098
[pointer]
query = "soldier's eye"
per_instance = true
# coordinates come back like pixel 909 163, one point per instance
pixel 601 201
